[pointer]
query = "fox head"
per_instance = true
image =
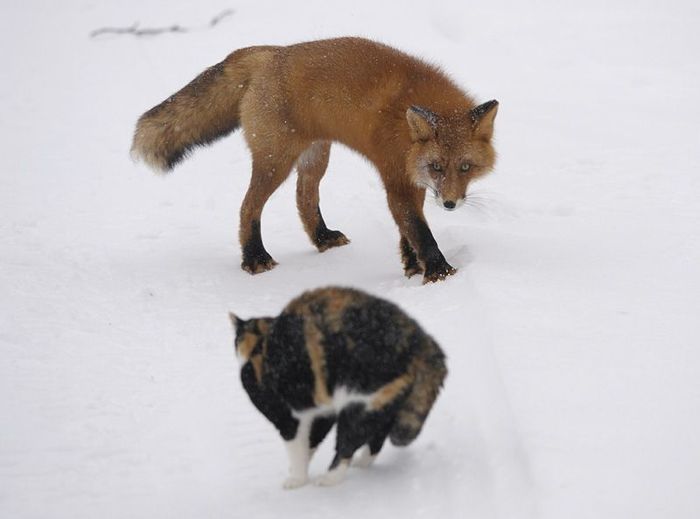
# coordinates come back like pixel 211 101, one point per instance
pixel 448 151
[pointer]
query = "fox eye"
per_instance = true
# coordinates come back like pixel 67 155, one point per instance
pixel 436 166
pixel 465 167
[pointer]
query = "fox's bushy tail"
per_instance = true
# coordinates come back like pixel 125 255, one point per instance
pixel 429 372
pixel 204 110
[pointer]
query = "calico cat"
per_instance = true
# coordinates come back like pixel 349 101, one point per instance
pixel 338 355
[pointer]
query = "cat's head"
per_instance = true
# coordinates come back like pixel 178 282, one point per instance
pixel 250 336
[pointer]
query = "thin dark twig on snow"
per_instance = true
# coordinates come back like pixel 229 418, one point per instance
pixel 154 31
pixel 134 29
pixel 220 16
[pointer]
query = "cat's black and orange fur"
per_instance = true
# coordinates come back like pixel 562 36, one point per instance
pixel 337 355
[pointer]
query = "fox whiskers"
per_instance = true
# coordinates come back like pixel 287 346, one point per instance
pixel 480 202
pixel 427 186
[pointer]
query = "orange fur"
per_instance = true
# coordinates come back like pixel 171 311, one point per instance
pixel 417 127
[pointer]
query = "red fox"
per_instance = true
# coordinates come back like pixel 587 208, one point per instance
pixel 408 118
pixel 339 355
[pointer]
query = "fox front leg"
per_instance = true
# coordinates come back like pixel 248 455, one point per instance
pixel 406 205
pixel 435 267
pixel 411 266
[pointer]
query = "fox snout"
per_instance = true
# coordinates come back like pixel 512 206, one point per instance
pixel 450 195
pixel 449 201
pixel 449 204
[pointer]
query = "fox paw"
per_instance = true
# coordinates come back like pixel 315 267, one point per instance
pixel 328 239
pixel 258 264
pixel 411 270
pixel 411 266
pixel 293 482
pixel 438 273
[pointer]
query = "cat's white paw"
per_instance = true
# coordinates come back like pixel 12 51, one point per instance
pixel 332 477
pixel 364 459
pixel 293 482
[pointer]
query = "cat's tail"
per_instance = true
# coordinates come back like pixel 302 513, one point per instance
pixel 428 371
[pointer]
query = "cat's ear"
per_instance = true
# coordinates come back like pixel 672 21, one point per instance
pixel 235 321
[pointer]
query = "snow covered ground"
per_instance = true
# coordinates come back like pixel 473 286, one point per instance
pixel 571 328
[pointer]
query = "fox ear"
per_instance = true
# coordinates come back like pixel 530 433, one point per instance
pixel 422 123
pixel 482 119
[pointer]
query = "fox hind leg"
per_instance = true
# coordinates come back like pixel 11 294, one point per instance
pixel 270 169
pixel 311 167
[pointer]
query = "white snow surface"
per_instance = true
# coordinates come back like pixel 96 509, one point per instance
pixel 571 327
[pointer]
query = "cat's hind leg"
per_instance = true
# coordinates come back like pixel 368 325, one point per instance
pixel 350 436
pixel 356 427
pixel 336 472
pixel 320 428
pixel 370 450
